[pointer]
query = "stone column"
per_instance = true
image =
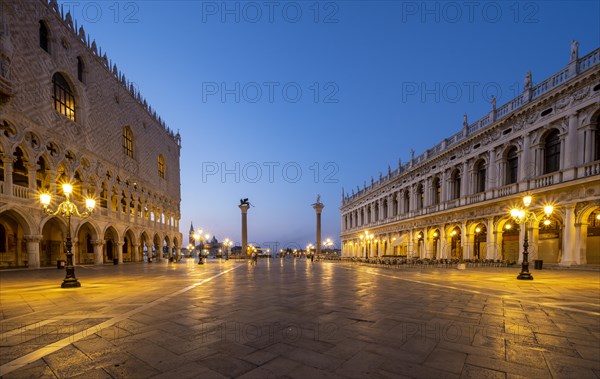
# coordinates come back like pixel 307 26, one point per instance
pixel 490 245
pixel 31 171
pixel 492 173
pixel 135 253
pixel 569 246
pixel 33 250
pixel 318 207
pixel 571 148
pixel 119 246
pixel 244 208
pixel 8 177
pixel 464 241
pixel 98 252
pixel 525 165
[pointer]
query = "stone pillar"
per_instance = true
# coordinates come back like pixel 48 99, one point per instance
pixel 581 243
pixel 525 165
pixel 135 253
pixel 318 207
pixel 571 149
pixel 33 250
pixel 244 208
pixel 492 171
pixel 98 252
pixel 569 244
pixel 119 246
pixel 31 170
pixel 8 177
pixel 411 246
pixel 464 180
pixel 490 245
pixel 464 241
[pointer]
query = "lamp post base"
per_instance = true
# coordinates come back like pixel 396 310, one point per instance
pixel 525 276
pixel 70 283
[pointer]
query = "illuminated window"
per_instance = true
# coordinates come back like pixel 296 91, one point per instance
pixel 161 166
pixel 64 101
pixel 128 142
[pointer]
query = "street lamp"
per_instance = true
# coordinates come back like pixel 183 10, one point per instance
pixel 227 242
pixel 367 237
pixel 68 209
pixel 328 243
pixel 524 216
pixel 198 238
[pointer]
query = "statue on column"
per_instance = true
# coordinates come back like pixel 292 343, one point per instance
pixel 574 50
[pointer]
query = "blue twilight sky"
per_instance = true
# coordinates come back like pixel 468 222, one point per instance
pixel 280 101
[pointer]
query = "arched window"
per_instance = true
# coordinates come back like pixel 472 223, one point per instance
pixel 128 142
pixel 512 166
pixel 80 69
pixel 161 166
pixel 552 152
pixel 455 180
pixel 437 191
pixel 406 201
pixel 420 196
pixel 44 36
pixel 64 101
pixel 480 173
pixel 20 175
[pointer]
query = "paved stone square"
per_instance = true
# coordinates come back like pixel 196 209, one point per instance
pixel 292 318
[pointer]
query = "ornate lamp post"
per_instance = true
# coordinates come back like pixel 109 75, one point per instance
pixel 367 237
pixel 525 216
pixel 68 209
pixel 328 243
pixel 227 242
pixel 198 238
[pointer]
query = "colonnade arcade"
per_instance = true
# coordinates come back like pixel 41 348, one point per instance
pixel 32 242
pixel 571 237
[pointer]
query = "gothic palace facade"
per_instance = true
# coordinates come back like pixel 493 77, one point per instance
pixel 68 114
pixel 453 201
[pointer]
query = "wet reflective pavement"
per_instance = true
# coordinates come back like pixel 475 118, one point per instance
pixel 292 318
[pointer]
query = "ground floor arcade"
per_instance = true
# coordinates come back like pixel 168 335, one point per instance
pixel 570 236
pixel 39 241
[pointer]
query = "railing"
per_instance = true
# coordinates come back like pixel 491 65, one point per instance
pixel 476 198
pixel 590 169
pixel 544 181
pixel 20 192
pixel 506 190
pixel 589 60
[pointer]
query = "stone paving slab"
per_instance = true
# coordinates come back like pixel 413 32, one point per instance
pixel 292 318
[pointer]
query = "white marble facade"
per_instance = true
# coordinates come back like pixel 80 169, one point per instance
pixel 453 201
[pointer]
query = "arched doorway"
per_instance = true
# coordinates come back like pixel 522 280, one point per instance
pixel 84 248
pixel 479 241
pixel 53 242
pixel 110 248
pixel 593 238
pixel 129 253
pixel 549 246
pixel 455 244
pixel 13 247
pixel 510 242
